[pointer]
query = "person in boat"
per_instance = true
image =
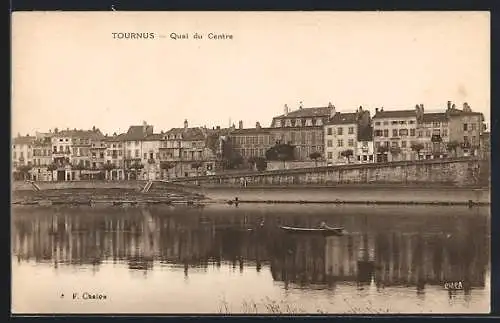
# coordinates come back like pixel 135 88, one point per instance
pixel 322 225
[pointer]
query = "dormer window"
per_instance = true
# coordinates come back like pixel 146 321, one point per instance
pixel 309 123
pixel 288 123
pixel 319 122
pixel 277 123
pixel 298 123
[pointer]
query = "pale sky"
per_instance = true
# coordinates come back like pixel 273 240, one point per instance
pixel 68 71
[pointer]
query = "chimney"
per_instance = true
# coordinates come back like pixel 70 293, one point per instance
pixel 360 108
pixel 332 109
pixel 240 124
pixel 56 130
pixel 448 105
pixel 466 107
pixel 218 128
pixel 257 125
pixel 301 106
pixel 186 124
pixel 285 112
pixel 422 107
pixel 93 128
pixel 376 110
pixel 382 109
pixel 50 130
pixel 453 106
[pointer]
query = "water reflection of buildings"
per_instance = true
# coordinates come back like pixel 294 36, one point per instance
pixel 402 256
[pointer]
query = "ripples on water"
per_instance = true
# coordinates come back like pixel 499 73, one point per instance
pixel 220 259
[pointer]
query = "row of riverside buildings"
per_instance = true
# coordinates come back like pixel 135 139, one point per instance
pixel 336 137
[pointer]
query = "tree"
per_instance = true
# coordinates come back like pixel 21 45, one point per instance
pixel 315 156
pixel 347 154
pixel 25 171
pixel 261 164
pixel 417 147
pixel 166 166
pixel 452 146
pixel 281 152
pixel 230 157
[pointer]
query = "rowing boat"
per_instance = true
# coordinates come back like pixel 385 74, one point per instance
pixel 325 230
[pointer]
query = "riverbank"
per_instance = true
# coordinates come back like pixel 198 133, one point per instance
pixel 340 194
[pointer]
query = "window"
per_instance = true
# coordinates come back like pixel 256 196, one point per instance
pixel 436 132
pixel 61 140
pixel 394 132
pixel 427 133
pixel 466 139
pixel 350 142
pixel 465 127
pixel 473 126
pixel 329 143
pixel 378 133
pixel 359 157
pixel 412 132
pixel 394 144
pixel 386 132
pixel 329 131
pixel 420 133
pixel 370 157
pixel 403 144
pixel 350 130
pixel 145 155
pixel 445 132
pixel 473 140
pixel 377 123
pixel 386 123
pixel 402 122
pixel 108 153
pixel 340 143
pixel 412 121
pixel 330 155
pixel 403 132
pixel 394 122
pixel 120 152
pixel 377 144
pixel 365 158
pixel 340 131
pixel 137 153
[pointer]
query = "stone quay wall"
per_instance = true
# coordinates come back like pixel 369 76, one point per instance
pixel 456 172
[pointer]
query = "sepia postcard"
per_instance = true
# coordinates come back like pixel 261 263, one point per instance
pixel 250 162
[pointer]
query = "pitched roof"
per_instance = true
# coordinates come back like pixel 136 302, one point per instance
pixel 114 138
pixel 457 112
pixel 138 132
pixel 395 114
pixel 250 131
pixel 187 133
pixel 154 137
pixel 307 112
pixel 434 117
pixel 24 140
pixel 90 134
pixel 344 118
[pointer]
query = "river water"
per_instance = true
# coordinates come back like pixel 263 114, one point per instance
pixel 228 259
